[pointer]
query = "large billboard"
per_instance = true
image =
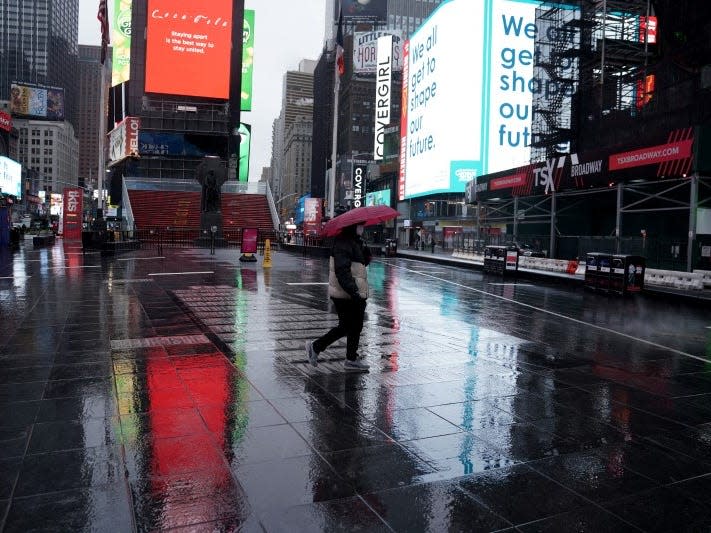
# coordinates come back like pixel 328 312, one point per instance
pixel 469 93
pixel 37 101
pixel 247 59
pixel 121 42
pixel 123 140
pixel 10 177
pixel 670 154
pixel 188 47
pixel 365 50
pixel 365 10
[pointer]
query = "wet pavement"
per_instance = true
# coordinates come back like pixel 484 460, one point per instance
pixel 145 392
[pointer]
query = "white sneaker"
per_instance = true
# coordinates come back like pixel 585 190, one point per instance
pixel 358 366
pixel 313 356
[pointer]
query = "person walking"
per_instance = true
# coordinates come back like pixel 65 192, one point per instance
pixel 348 288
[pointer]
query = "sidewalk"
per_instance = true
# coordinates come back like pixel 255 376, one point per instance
pixel 153 393
pixel 445 257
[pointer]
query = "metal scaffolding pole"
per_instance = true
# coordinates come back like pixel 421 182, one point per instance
pixel 552 243
pixel 618 220
pixel 693 205
pixel 515 210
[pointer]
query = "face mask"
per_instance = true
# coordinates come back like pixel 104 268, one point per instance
pixel 360 229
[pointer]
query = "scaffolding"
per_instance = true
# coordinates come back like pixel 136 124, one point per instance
pixel 595 55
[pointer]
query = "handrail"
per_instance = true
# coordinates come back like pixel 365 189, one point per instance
pixel 272 206
pixel 127 214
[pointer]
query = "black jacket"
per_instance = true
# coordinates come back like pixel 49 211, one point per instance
pixel 348 248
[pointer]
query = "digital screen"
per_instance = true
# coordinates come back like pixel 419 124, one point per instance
pixel 378 198
pixel 468 94
pixel 245 134
pixel 247 60
pixel 10 177
pixel 188 47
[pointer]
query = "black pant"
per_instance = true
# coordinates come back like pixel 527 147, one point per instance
pixel 350 324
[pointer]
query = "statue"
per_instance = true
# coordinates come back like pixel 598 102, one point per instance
pixel 211 174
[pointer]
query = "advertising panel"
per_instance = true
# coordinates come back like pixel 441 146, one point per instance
pixel 370 10
pixel 5 121
pixel 162 143
pixel 123 139
pixel 247 59
pixel 378 198
pixel 55 203
pixel 365 50
pixel 312 215
pixel 121 42
pixel 383 91
pixel 188 48
pixel 359 176
pixel 10 177
pixel 598 168
pixel 245 141
pixel 37 101
pixel 470 87
pixel 73 209
pixel 249 241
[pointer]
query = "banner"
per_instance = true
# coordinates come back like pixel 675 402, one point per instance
pixel 247 59
pixel 312 215
pixel 121 42
pixel 359 176
pixel 5 121
pixel 383 93
pixel 73 209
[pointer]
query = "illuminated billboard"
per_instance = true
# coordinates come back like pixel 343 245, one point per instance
pixel 121 42
pixel 188 48
pixel 10 177
pixel 38 101
pixel 378 198
pixel 247 60
pixel 366 10
pixel 467 94
pixel 245 141
pixel 365 50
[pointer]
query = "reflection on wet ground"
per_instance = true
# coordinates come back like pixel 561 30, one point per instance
pixel 149 392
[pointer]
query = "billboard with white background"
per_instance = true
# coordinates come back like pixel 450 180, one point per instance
pixel 470 86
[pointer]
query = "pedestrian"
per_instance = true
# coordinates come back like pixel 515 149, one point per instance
pixel 348 288
pixel 432 242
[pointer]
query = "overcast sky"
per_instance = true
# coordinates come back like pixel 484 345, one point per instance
pixel 285 32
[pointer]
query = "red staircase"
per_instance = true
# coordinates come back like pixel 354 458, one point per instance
pixel 165 209
pixel 246 211
pixel 179 209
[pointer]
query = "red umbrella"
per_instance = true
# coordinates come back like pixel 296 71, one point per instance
pixel 369 216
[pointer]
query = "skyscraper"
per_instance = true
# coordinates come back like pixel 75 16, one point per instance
pixel 39 45
pixel 90 106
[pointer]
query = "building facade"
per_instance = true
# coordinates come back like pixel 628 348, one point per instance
pixel 292 137
pixel 50 150
pixel 91 73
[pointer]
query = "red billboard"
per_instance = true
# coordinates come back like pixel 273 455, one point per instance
pixel 73 209
pixel 188 47
pixel 652 155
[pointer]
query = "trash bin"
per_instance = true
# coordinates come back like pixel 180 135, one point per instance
pixel 598 268
pixel 390 247
pixel 627 273
pixel 501 260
